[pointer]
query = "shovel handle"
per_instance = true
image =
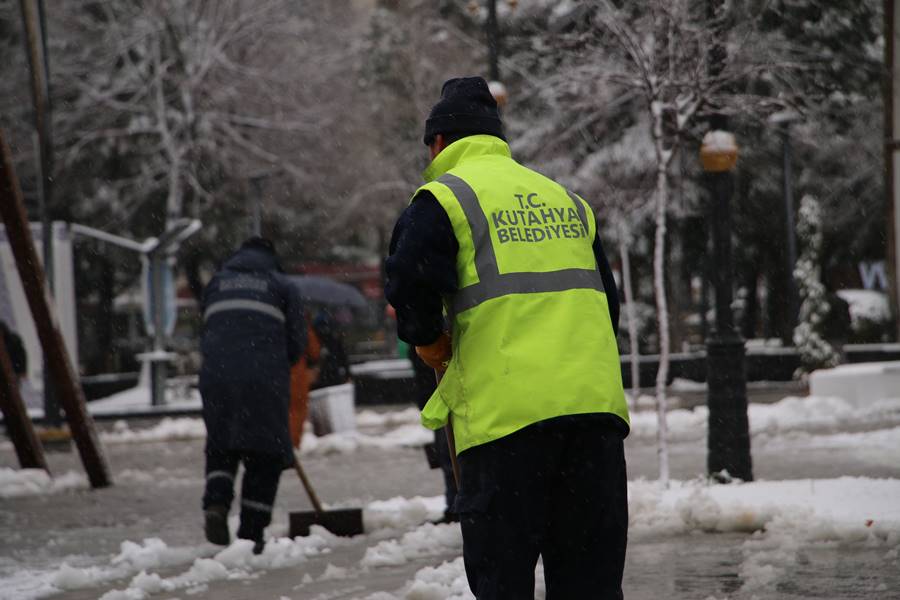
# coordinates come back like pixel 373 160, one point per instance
pixel 451 439
pixel 308 487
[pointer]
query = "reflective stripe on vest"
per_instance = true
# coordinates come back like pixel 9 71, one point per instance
pixel 241 304
pixel 491 283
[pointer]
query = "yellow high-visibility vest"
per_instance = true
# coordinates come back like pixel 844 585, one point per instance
pixel 532 335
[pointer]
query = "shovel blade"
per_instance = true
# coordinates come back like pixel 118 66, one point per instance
pixel 344 522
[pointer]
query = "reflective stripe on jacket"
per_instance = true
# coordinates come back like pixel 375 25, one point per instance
pixel 532 336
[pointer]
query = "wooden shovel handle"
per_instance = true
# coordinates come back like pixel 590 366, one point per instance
pixel 308 487
pixel 451 439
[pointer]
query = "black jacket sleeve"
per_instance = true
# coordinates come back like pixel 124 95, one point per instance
pixel 420 269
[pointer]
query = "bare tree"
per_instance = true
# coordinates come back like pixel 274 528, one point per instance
pixel 184 95
pixel 664 48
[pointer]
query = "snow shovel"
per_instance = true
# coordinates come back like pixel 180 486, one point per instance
pixel 344 522
pixel 451 439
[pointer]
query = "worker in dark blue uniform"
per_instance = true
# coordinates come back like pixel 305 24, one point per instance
pixel 253 332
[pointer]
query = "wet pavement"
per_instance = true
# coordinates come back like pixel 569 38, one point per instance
pixel 158 489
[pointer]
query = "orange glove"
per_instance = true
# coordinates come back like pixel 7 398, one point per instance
pixel 437 354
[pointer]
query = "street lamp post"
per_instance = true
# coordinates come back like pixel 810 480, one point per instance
pixel 493 40
pixel 783 121
pixel 892 150
pixel 788 189
pixel 728 440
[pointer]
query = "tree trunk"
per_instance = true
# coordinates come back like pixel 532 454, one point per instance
pixel 662 309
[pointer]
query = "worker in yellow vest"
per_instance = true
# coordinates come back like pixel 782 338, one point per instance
pixel 532 384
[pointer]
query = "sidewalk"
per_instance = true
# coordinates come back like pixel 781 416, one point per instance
pixel 686 543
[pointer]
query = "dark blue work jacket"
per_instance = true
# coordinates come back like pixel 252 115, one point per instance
pixel 253 332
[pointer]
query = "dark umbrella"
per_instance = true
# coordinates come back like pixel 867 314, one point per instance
pixel 322 290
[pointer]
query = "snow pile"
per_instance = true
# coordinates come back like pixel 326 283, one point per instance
pixel 33 482
pixel 819 413
pixel 445 582
pixel 333 572
pixel 152 553
pixel 180 396
pixel 866 305
pixel 783 517
pixel 237 561
pixel 848 509
pixel 861 384
pixel 885 441
pixel 424 541
pixel 687 385
pixel 402 513
pixel 448 581
pixel 370 418
pixel 158 477
pixel 811 414
pixel 182 428
pixel 347 442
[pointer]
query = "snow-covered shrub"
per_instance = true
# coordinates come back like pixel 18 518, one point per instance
pixel 815 351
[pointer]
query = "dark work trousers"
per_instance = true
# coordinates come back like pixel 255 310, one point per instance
pixel 555 489
pixel 258 488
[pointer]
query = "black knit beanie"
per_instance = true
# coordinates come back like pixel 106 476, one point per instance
pixel 466 106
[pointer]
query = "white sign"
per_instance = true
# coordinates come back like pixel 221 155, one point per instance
pixel 169 310
pixel 873 275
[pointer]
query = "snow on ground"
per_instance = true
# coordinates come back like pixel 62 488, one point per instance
pixel 812 422
pixel 139 562
pixel 179 395
pixel 347 442
pixel 403 430
pixel 780 517
pixel 32 482
pixel 447 581
pixel 792 414
pixel 237 561
pixel 402 513
pixel 425 541
pixel 444 582
pixel 167 429
pixel 844 509
pixel 810 414
pixel 784 517
pixel 370 418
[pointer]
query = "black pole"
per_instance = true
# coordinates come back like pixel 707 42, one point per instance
pixel 728 441
pixel 788 188
pixel 493 41
pixel 891 148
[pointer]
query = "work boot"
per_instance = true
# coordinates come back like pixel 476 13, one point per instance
pixel 216 525
pixel 258 546
pixel 449 517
